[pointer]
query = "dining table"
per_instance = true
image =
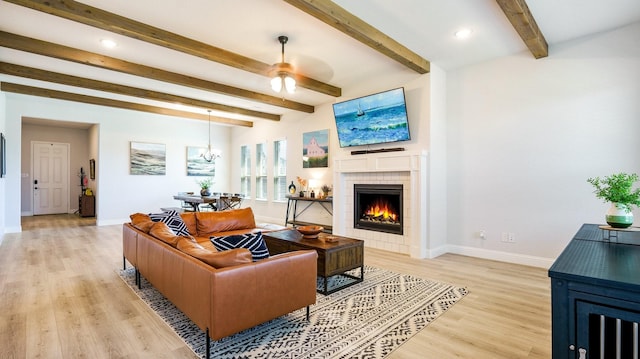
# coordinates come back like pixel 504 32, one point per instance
pixel 216 201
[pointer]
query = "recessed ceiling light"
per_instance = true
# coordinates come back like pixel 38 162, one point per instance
pixel 462 33
pixel 109 44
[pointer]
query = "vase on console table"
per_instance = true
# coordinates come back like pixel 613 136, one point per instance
pixel 619 216
pixel 205 192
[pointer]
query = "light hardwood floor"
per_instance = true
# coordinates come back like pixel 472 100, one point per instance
pixel 61 297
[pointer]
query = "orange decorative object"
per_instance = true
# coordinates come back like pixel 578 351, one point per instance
pixel 310 231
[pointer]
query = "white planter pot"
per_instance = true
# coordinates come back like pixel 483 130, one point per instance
pixel 619 216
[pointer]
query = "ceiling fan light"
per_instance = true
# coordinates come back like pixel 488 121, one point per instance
pixel 289 84
pixel 281 72
pixel 276 84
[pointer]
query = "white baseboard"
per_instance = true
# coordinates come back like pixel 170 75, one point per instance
pixel 515 258
pixel 13 229
pixel 432 253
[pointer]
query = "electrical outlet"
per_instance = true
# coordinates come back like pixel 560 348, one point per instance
pixel 508 237
pixel 482 234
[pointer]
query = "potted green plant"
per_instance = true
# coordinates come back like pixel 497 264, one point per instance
pixel 617 189
pixel 205 184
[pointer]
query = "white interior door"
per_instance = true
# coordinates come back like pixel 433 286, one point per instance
pixel 50 178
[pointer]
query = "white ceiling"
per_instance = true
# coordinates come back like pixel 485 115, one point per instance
pixel 250 28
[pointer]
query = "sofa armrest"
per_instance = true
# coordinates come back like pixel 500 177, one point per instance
pixel 247 295
pixel 129 243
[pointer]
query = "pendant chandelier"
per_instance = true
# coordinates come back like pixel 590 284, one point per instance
pixel 210 155
pixel 282 73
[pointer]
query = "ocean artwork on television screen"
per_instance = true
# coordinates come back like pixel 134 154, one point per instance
pixel 377 118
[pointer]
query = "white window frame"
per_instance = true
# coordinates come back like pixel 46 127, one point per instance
pixel 245 171
pixel 261 172
pixel 280 186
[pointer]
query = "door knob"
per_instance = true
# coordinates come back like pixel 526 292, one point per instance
pixel 583 353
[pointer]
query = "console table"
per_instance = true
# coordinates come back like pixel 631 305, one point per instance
pixel 293 211
pixel 595 295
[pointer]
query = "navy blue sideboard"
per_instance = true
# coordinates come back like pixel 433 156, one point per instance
pixel 595 295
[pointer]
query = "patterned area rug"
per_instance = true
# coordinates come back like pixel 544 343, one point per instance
pixel 367 320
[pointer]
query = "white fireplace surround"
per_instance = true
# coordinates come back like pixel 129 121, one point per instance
pixel 408 168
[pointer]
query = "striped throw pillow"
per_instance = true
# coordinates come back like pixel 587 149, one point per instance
pixel 251 241
pixel 173 221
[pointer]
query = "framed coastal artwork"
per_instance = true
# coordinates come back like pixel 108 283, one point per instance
pixel 148 159
pixel 196 165
pixel 315 149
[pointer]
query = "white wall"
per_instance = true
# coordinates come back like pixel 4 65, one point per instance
pixel 3 181
pixel 94 145
pixel 293 125
pixel 120 193
pixel 524 135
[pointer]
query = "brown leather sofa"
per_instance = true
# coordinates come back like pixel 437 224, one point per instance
pixel 237 294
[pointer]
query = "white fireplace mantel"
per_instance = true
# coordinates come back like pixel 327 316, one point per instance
pixel 410 166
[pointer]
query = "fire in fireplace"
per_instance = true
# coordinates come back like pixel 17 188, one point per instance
pixel 378 207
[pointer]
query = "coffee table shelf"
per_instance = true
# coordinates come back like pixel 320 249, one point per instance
pixel 336 255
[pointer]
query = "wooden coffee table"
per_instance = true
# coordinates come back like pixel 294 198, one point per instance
pixel 336 254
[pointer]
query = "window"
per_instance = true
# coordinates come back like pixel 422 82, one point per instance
pixel 261 171
pixel 245 171
pixel 279 170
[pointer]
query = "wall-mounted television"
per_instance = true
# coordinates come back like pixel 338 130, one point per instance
pixel 372 119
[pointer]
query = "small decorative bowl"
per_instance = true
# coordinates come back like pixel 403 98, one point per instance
pixel 310 231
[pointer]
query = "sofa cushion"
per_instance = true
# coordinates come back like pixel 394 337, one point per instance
pixel 173 220
pixel 214 259
pixel 209 223
pixel 252 241
pixel 144 226
pixel 189 219
pixel 141 221
pixel 162 231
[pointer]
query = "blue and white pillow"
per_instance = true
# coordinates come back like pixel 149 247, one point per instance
pixel 173 221
pixel 251 241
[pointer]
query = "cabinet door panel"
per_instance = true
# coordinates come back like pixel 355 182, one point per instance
pixel 606 332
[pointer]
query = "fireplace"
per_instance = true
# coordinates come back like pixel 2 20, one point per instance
pixel 378 207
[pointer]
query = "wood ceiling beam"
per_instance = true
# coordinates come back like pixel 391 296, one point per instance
pixel 68 96
pixel 88 15
pixel 525 25
pixel 22 43
pixel 339 18
pixel 55 77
